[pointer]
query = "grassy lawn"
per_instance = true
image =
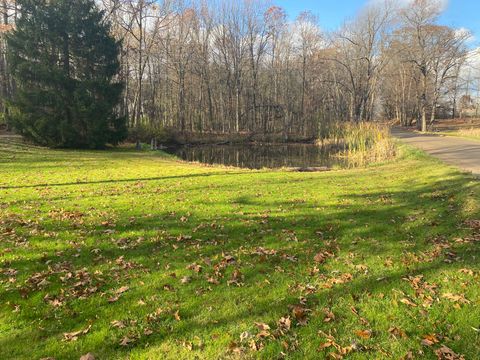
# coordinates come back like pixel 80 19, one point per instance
pixel 467 134
pixel 465 128
pixel 473 134
pixel 139 256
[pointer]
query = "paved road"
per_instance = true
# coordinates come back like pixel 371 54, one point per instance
pixel 456 151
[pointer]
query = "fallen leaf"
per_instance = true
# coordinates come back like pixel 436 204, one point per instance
pixel 73 336
pixel 320 258
pixel 262 326
pixel 429 340
pixel 212 280
pixel 118 324
pixel 408 302
pixel 264 330
pixel 456 298
pixel 122 290
pixel 445 353
pixel 397 333
pixel 366 334
pixel 125 341
pixel 228 259
pixel 300 314
pixel 285 323
pixel 186 279
pixel 466 271
pixel 114 298
pixel 195 267
pixel 329 316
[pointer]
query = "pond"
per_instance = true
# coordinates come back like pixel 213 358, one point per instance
pixel 258 156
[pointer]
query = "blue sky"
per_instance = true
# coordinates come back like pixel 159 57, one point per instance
pixel 332 13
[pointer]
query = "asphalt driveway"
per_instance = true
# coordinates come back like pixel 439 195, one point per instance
pixel 460 152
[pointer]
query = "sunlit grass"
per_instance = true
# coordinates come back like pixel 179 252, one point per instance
pixel 468 133
pixel 152 258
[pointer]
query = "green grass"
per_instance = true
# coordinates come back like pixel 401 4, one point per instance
pixel 390 250
pixel 472 134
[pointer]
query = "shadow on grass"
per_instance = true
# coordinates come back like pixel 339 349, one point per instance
pixel 375 224
pixel 119 181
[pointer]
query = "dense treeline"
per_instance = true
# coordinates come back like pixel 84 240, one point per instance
pixel 243 67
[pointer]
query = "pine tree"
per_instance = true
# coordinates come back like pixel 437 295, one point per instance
pixel 65 63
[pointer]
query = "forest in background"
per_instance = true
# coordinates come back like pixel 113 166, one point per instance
pixel 242 67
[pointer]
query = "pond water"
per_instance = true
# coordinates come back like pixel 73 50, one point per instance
pixel 258 156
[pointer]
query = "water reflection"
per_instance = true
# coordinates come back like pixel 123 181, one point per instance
pixel 257 156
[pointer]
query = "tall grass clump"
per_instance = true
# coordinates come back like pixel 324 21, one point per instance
pixel 472 132
pixel 360 143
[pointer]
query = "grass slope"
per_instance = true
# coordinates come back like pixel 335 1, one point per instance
pixel 136 255
pixel 473 134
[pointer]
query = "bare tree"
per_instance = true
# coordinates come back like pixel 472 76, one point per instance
pixel 239 67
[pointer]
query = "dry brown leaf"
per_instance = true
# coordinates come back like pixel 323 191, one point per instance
pixel 466 271
pixel 329 316
pixel 112 299
pixel 429 340
pixel 285 323
pixel 460 298
pixel 445 353
pixel 186 279
pixel 118 324
pixel 264 330
pixel 125 341
pixel 361 267
pixel 73 336
pixel 319 258
pixel 408 302
pixel 212 280
pixel 366 334
pixel 195 267
pixel 122 290
pixel 300 314
pixel 397 333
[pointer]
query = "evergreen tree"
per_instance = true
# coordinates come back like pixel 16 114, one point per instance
pixel 65 62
